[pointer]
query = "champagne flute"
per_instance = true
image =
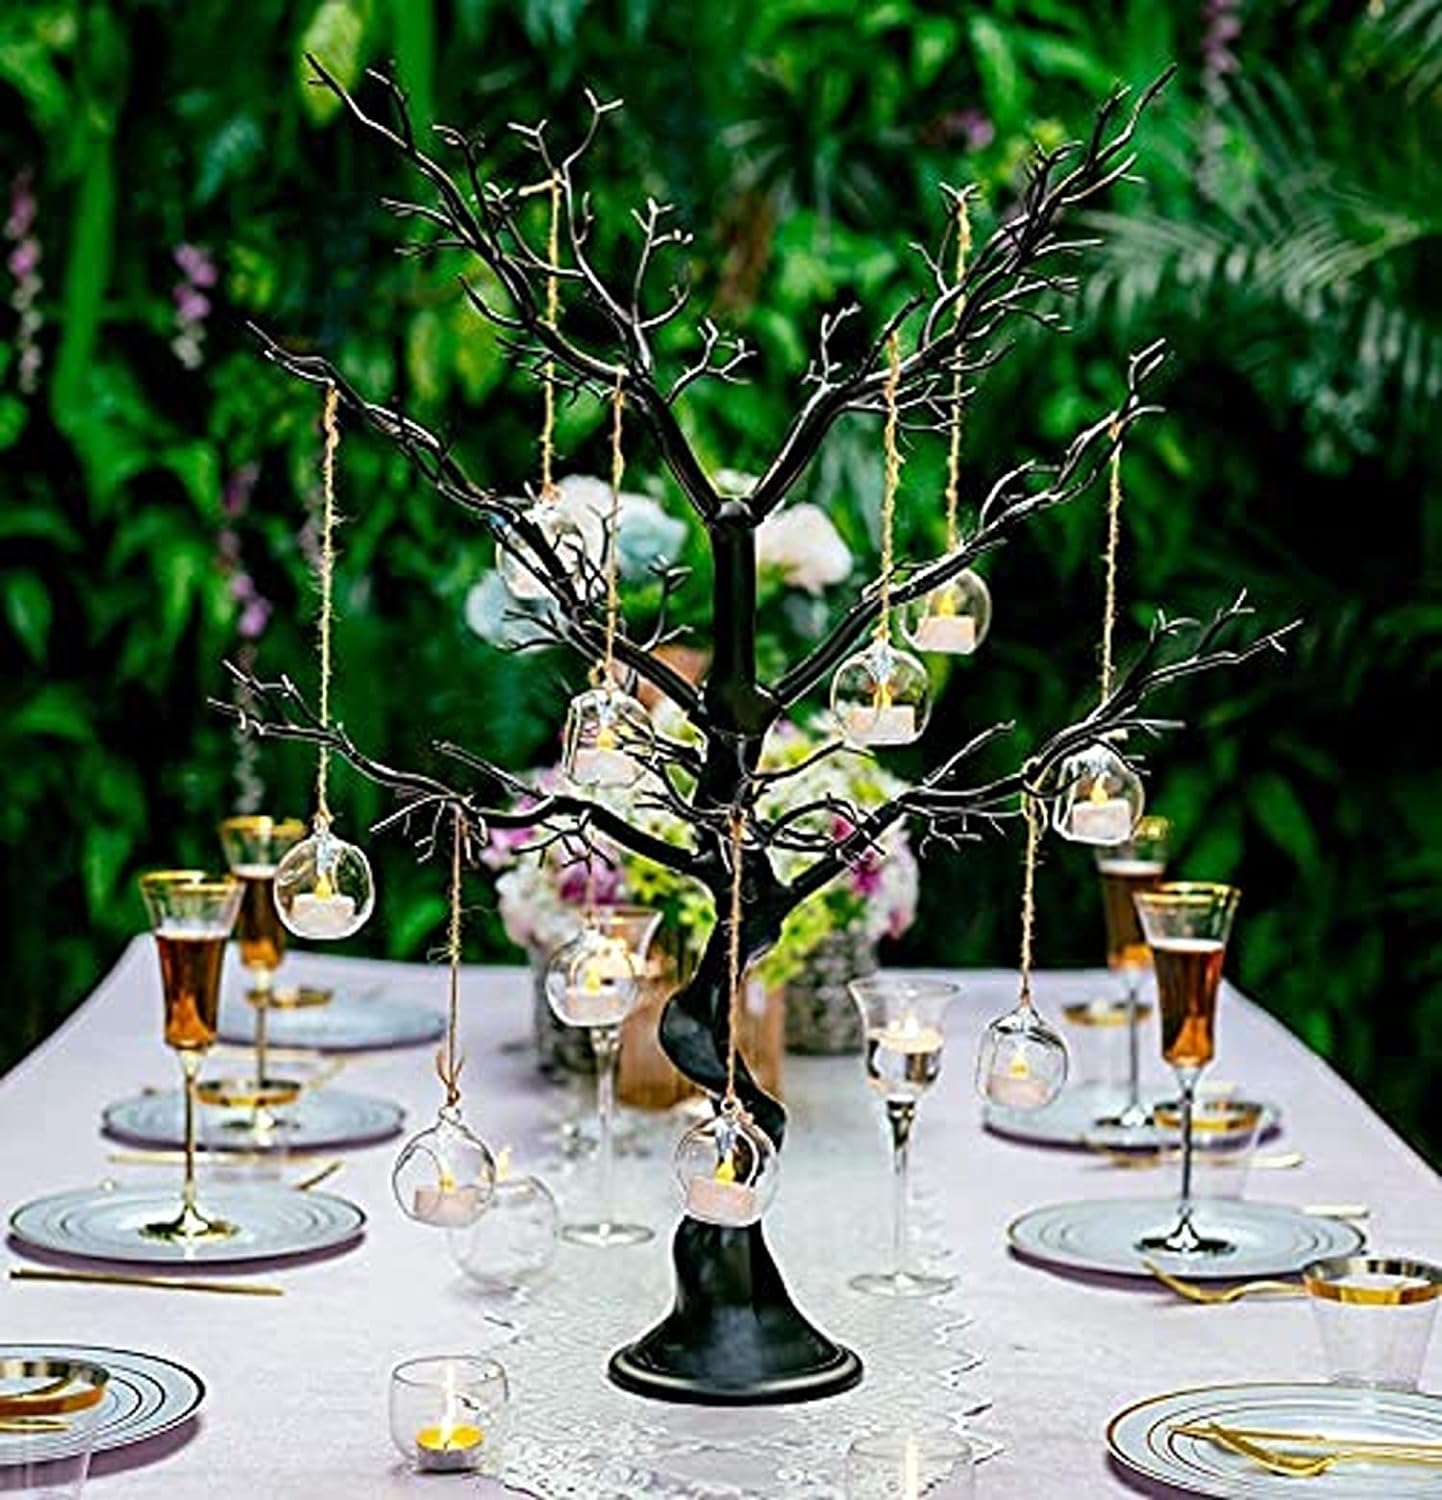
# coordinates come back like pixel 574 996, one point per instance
pixel 1137 865
pixel 594 981
pixel 902 1019
pixel 191 914
pixel 1187 924
pixel 254 846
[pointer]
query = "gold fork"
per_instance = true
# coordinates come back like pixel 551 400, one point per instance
pixel 1194 1293
pixel 1304 1466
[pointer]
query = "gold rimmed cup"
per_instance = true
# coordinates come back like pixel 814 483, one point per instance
pixel 1375 1316
pixel 191 916
pixel 49 1415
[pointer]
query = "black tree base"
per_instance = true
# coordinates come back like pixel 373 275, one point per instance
pixel 734 1338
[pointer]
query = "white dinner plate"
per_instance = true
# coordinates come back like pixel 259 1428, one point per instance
pixel 105 1223
pixel 1072 1120
pixel 345 1025
pixel 319 1118
pixel 1101 1234
pixel 1142 1438
pixel 144 1396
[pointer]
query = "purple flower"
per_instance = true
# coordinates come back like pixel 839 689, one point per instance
pixel 500 851
pixel 191 306
pixel 24 258
pixel 196 263
pixel 239 486
pixel 975 129
pixel 254 618
pixel 603 885
pixel 22 207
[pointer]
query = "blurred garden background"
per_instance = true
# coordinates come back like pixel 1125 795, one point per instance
pixel 168 174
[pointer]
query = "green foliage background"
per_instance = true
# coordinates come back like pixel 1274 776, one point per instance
pixel 1286 242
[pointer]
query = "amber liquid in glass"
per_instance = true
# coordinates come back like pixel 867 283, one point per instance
pixel 190 965
pixel 1188 972
pixel 1121 880
pixel 259 929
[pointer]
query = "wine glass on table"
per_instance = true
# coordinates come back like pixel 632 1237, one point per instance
pixel 594 982
pixel 1126 869
pixel 902 1019
pixel 254 846
pixel 191 914
pixel 1187 925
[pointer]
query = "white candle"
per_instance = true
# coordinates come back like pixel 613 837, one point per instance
pixel 720 1202
pixel 451 1448
pixel 316 916
pixel 603 1005
pixel 1017 1091
pixel 881 724
pixel 597 766
pixel 908 1035
pixel 452 1207
pixel 953 635
pixel 1105 822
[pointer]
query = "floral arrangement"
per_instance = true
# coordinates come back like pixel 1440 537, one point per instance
pixel 542 889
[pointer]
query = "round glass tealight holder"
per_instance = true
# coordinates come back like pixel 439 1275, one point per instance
pixel 49 1412
pixel 1375 1317
pixel 1224 1139
pixel 909 1465
pixel 448 1413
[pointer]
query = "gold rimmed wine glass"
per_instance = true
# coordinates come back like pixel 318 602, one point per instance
pixel 594 982
pixel 191 914
pixel 1126 869
pixel 1187 925
pixel 902 1017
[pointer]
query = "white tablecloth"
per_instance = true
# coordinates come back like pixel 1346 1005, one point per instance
pixel 297 1385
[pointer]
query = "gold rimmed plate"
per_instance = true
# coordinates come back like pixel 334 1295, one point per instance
pixel 272 1223
pixel 1146 1439
pixel 144 1395
pixel 347 1024
pixel 1102 1235
pixel 321 1119
pixel 1073 1119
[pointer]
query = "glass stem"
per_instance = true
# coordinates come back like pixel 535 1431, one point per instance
pixel 1134 1050
pixel 900 1115
pixel 260 998
pixel 606 1046
pixel 189 1067
pixel 1187 1081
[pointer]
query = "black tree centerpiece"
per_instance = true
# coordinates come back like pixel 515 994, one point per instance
pixel 735 1336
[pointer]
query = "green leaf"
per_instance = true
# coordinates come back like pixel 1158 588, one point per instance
pixel 197 466
pixel 87 275
pixel 37 523
pixel 58 710
pixel 409 928
pixel 336 35
pixel 27 607
pixel 1001 80
pixel 104 854
pixel 1283 818
pixel 13 413
pixel 933 40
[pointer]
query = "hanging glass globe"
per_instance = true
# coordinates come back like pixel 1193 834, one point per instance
pixel 514 1242
pixel 606 731
pixel 728 1169
pixel 881 696
pixel 445 1176
pixel 953 619
pixel 518 566
pixel 324 888
pixel 1022 1062
pixel 594 979
pixel 1099 797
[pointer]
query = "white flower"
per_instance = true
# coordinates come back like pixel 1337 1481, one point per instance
pixel 803 546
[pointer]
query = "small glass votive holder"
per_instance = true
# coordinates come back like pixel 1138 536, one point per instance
pixel 1374 1317
pixel 448 1413
pixel 1224 1139
pixel 1097 1039
pixel 909 1464
pixel 49 1413
pixel 511 1246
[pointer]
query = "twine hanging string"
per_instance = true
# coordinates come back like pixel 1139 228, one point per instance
pixel 613 535
pixel 1030 812
pixel 953 453
pixel 449 1062
pixel 733 960
pixel 1114 531
pixel 331 428
pixel 890 482
pixel 552 188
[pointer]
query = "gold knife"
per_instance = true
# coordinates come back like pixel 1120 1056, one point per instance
pixel 163 1283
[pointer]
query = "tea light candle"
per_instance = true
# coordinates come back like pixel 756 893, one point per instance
pixel 947 634
pixel 1107 820
pixel 1016 1086
pixel 908 1035
pixel 322 913
pixel 719 1198
pixel 449 1205
pixel 450 1448
pixel 599 766
pixel 881 724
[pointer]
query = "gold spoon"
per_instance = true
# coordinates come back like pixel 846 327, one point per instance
pixel 1302 1466
pixel 316 1178
pixel 1194 1293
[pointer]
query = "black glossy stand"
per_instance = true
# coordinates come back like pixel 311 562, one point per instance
pixel 734 1338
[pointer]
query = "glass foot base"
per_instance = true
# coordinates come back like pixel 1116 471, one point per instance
pixel 189 1227
pixel 1133 1117
pixel 901 1284
pixel 603 1235
pixel 1185 1240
